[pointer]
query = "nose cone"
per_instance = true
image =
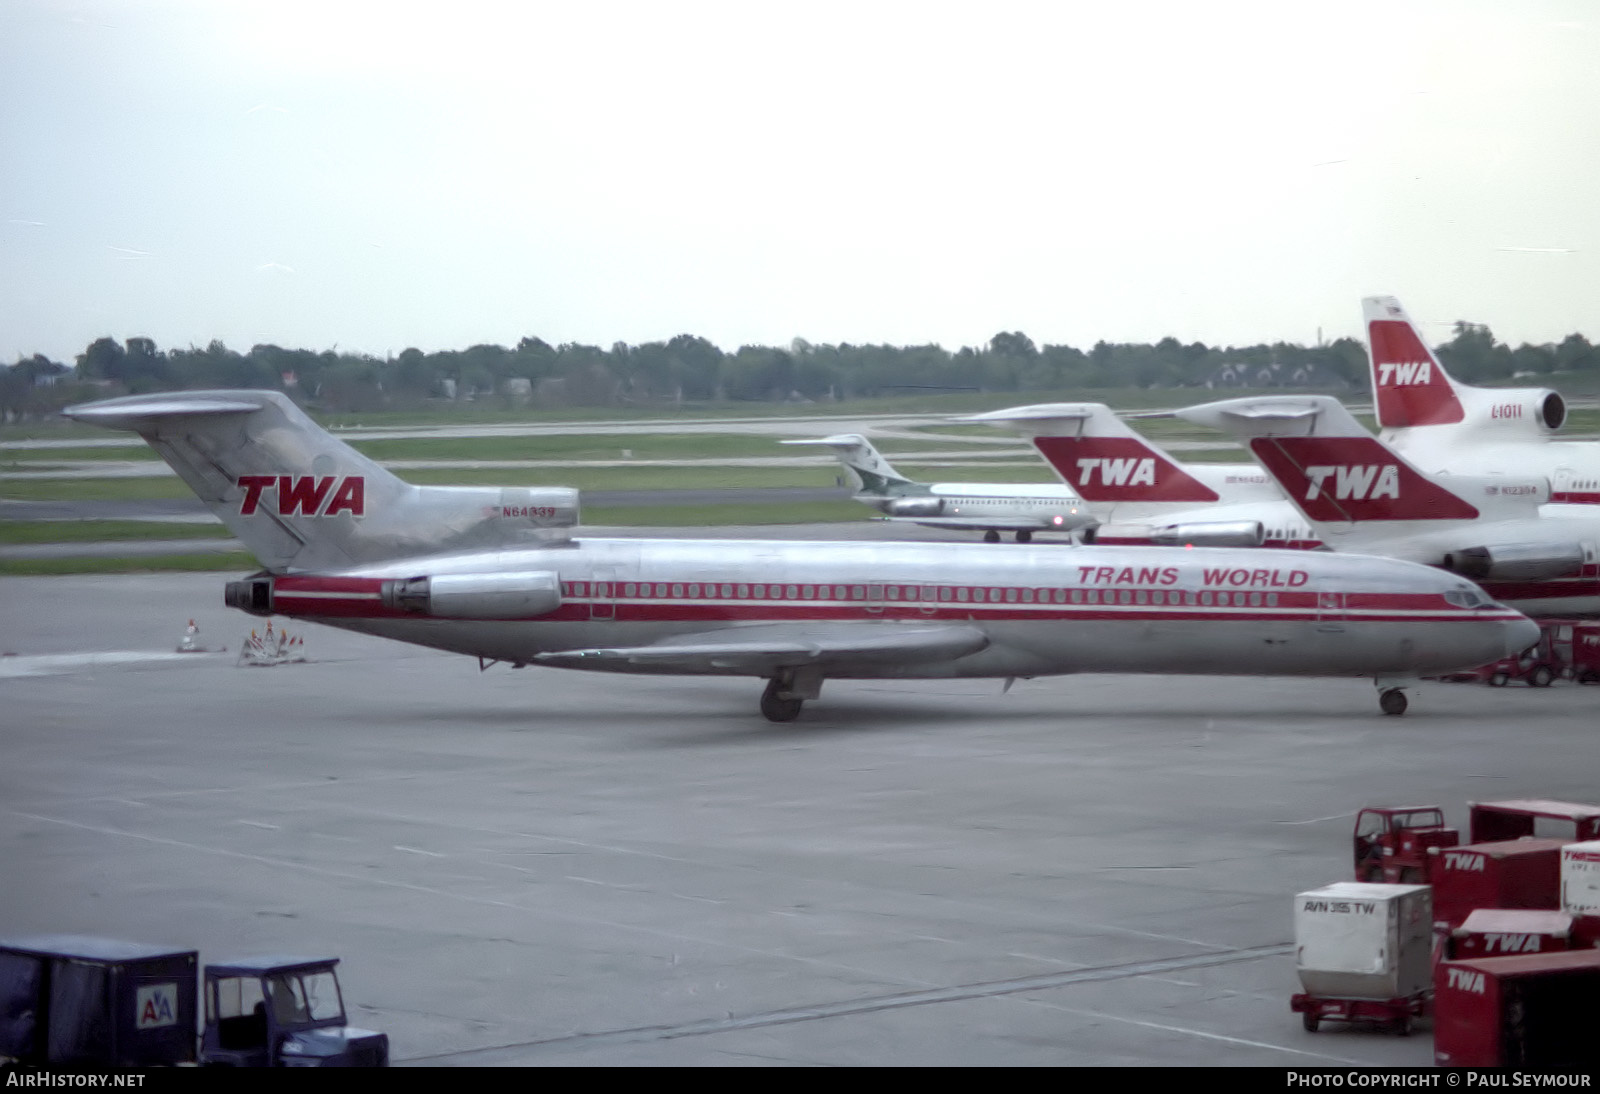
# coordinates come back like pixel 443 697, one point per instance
pixel 1520 634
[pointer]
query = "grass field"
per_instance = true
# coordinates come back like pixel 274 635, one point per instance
pixel 643 445
pixel 104 531
pixel 239 561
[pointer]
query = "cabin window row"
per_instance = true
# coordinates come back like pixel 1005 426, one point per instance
pixel 924 594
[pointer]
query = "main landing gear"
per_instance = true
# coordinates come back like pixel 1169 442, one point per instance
pixel 775 709
pixel 1024 536
pixel 991 536
pixel 787 692
pixel 1392 701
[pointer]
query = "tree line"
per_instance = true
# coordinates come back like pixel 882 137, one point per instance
pixel 691 370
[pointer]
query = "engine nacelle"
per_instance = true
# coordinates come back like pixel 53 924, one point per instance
pixel 476 596
pixel 253 595
pixel 1517 561
pixel 1232 533
pixel 1528 412
pixel 915 507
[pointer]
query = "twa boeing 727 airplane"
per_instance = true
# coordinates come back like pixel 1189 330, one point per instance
pixel 1141 495
pixel 1361 495
pixel 499 574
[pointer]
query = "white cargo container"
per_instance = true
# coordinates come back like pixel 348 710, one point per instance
pixel 1363 940
pixel 1580 878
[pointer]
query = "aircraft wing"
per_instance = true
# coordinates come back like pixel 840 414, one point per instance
pixel 765 648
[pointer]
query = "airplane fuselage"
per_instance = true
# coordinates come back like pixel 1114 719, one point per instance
pixel 1571 467
pixel 1040 610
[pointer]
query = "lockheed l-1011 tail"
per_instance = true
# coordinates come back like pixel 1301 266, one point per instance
pixel 1441 424
pixel 300 499
pixel 1411 389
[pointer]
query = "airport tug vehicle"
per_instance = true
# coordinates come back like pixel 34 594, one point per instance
pixel 1391 844
pixel 73 1002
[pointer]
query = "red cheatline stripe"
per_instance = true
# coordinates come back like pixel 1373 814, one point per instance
pixel 581 610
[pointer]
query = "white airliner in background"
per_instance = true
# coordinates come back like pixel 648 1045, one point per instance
pixel 499 575
pixel 1361 495
pixel 1140 495
pixel 991 508
pixel 1442 425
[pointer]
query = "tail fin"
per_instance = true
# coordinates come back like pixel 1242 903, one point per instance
pixel 869 472
pixel 300 499
pixel 1409 386
pixel 1337 472
pixel 1098 455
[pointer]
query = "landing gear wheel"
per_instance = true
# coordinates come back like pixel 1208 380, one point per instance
pixel 1498 680
pixel 1540 677
pixel 1024 537
pixel 991 536
pixel 1402 1025
pixel 1392 702
pixel 1309 1020
pixel 774 709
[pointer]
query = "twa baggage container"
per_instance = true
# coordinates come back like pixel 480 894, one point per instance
pixel 1534 1011
pixel 1524 873
pixel 1503 932
pixel 1362 940
pixel 1580 878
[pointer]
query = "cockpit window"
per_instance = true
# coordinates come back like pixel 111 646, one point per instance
pixel 1468 597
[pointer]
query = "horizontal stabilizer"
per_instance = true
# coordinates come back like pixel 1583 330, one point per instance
pixel 1023 416
pixel 136 411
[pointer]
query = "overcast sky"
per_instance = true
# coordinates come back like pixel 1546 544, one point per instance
pixel 374 176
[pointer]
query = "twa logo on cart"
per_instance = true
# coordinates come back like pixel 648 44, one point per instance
pixel 1466 980
pixel 305 495
pixel 1455 860
pixel 1511 943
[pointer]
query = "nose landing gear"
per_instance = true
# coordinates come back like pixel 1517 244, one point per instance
pixel 1392 695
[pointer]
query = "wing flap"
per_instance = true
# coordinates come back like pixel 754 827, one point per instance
pixel 765 648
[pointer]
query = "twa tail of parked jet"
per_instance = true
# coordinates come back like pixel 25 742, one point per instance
pixel 1099 456
pixel 868 471
pixel 1339 474
pixel 1410 388
pixel 300 499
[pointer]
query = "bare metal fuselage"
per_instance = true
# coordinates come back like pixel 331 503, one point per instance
pixel 1040 610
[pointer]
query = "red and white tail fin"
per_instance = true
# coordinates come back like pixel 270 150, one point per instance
pixel 1098 455
pixel 1336 472
pixel 301 499
pixel 1409 386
